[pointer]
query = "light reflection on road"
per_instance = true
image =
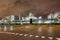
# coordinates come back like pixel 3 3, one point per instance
pixel 32 31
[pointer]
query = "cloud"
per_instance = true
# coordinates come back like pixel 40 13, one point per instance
pixel 41 7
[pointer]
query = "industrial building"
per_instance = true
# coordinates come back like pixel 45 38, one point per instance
pixel 31 19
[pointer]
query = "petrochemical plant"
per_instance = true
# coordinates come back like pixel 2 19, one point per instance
pixel 31 19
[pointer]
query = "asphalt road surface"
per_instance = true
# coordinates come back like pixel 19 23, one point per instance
pixel 30 32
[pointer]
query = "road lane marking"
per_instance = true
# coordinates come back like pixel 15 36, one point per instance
pixel 16 33
pixel 50 38
pixel 42 36
pixel 58 38
pixel 21 34
pixel 36 36
pixel 12 33
pixel 31 35
pixel 26 35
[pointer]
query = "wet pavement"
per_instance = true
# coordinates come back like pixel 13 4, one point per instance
pixel 30 32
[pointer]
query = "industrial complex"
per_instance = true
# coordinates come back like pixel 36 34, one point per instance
pixel 31 19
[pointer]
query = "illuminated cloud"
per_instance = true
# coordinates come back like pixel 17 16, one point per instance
pixel 41 7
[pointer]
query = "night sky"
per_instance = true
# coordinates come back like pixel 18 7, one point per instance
pixel 23 7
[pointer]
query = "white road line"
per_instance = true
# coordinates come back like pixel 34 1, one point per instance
pixel 12 33
pixel 16 33
pixel 50 38
pixel 31 35
pixel 20 34
pixel 36 36
pixel 58 38
pixel 42 36
pixel 26 35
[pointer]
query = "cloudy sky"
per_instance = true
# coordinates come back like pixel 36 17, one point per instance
pixel 23 7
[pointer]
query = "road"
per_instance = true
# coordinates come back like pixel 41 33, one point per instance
pixel 30 32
